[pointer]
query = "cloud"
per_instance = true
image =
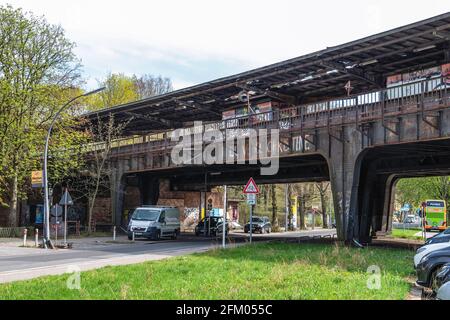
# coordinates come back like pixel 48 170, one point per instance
pixel 199 40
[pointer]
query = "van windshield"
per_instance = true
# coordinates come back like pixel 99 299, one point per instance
pixel 145 215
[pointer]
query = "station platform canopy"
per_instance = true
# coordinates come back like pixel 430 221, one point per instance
pixel 320 75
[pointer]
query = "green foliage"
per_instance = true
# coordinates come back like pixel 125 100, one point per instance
pixel 119 89
pixel 38 72
pixel 417 190
pixel 266 271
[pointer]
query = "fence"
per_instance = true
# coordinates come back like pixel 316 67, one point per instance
pixel 13 232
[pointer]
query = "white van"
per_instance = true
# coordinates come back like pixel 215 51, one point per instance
pixel 154 222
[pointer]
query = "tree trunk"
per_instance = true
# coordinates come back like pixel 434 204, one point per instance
pixel 289 195
pixel 12 219
pixel 274 207
pixel 323 205
pixel 301 209
pixel 265 197
pixel 90 209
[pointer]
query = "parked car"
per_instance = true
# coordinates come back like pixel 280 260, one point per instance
pixel 444 292
pixel 429 267
pixel 444 236
pixel 154 222
pixel 259 224
pixel 213 224
pixel 426 249
pixel 411 219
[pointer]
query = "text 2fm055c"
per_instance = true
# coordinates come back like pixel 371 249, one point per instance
pixel 245 309
pixel 226 309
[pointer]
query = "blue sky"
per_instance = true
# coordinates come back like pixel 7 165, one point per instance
pixel 199 40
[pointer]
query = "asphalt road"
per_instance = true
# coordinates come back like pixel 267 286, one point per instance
pixel 27 263
pixel 18 263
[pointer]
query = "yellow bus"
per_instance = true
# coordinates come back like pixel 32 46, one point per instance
pixel 435 215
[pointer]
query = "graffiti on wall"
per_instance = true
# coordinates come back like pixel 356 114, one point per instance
pixel 190 218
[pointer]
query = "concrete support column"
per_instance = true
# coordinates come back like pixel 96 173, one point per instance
pixel 344 179
pixel 388 204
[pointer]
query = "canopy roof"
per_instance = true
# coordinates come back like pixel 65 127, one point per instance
pixel 319 75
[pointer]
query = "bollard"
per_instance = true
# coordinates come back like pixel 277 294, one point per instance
pixel 132 235
pixel 36 237
pixel 114 233
pixel 25 237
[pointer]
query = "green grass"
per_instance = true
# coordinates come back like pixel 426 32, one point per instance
pixel 406 234
pixel 260 271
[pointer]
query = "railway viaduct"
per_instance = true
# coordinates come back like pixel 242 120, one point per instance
pixel 361 115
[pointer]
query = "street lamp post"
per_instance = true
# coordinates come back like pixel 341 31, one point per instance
pixel 46 236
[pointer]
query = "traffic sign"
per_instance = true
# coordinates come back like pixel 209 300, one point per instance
pixel 251 187
pixel 66 199
pixel 36 179
pixel 251 198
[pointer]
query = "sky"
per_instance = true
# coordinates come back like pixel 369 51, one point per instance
pixel 193 41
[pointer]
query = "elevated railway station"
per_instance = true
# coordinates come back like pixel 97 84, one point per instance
pixel 361 115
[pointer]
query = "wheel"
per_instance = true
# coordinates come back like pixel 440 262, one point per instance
pixel 130 237
pixel 269 230
pixel 433 281
pixel 157 235
pixel 175 235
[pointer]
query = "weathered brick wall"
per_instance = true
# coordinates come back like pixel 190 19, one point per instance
pixel 102 212
pixel 187 202
pixel 132 198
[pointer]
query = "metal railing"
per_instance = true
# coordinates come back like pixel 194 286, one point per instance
pixel 411 98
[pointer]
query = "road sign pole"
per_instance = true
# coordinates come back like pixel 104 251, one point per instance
pixel 65 224
pixel 251 223
pixel 224 216
pixel 251 190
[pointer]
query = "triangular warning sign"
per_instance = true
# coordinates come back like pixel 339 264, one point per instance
pixel 66 199
pixel 251 187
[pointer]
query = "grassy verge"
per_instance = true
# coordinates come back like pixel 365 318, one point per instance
pixel 406 234
pixel 261 271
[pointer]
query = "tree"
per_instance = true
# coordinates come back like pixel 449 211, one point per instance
pixel 122 89
pixel 148 85
pixel 273 191
pixel 37 69
pixel 416 190
pixel 322 188
pixel 289 190
pixel 95 177
pixel 119 89
pixel 305 194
